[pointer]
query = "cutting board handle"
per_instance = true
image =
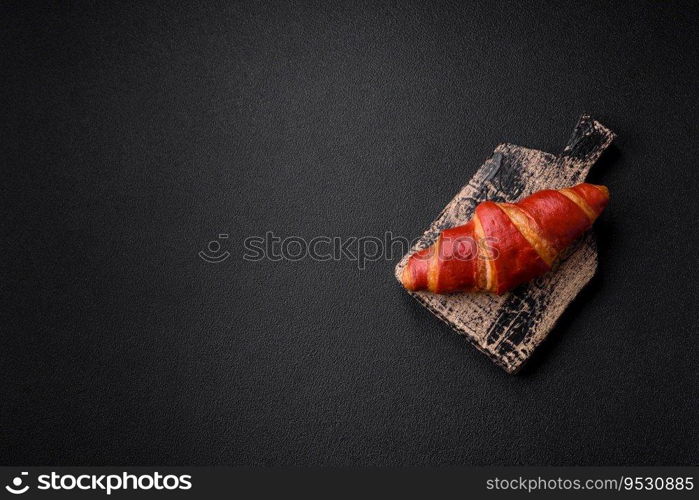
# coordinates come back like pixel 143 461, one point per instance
pixel 588 141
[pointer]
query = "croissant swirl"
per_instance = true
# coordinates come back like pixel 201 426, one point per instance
pixel 506 244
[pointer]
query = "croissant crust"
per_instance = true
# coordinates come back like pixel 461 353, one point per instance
pixel 506 244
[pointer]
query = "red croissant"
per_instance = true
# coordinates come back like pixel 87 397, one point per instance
pixel 506 244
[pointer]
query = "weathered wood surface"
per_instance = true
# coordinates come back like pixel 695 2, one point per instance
pixel 508 328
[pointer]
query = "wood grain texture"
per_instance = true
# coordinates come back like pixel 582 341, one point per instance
pixel 508 328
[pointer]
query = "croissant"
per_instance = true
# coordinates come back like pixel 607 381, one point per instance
pixel 506 244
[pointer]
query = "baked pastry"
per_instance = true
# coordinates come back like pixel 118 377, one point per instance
pixel 506 244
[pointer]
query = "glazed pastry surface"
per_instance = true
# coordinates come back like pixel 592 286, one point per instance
pixel 506 244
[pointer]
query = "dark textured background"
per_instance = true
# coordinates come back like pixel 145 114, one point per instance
pixel 132 136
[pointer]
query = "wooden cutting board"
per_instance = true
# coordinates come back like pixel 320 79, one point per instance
pixel 508 328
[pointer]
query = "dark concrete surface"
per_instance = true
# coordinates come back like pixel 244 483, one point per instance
pixel 133 136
